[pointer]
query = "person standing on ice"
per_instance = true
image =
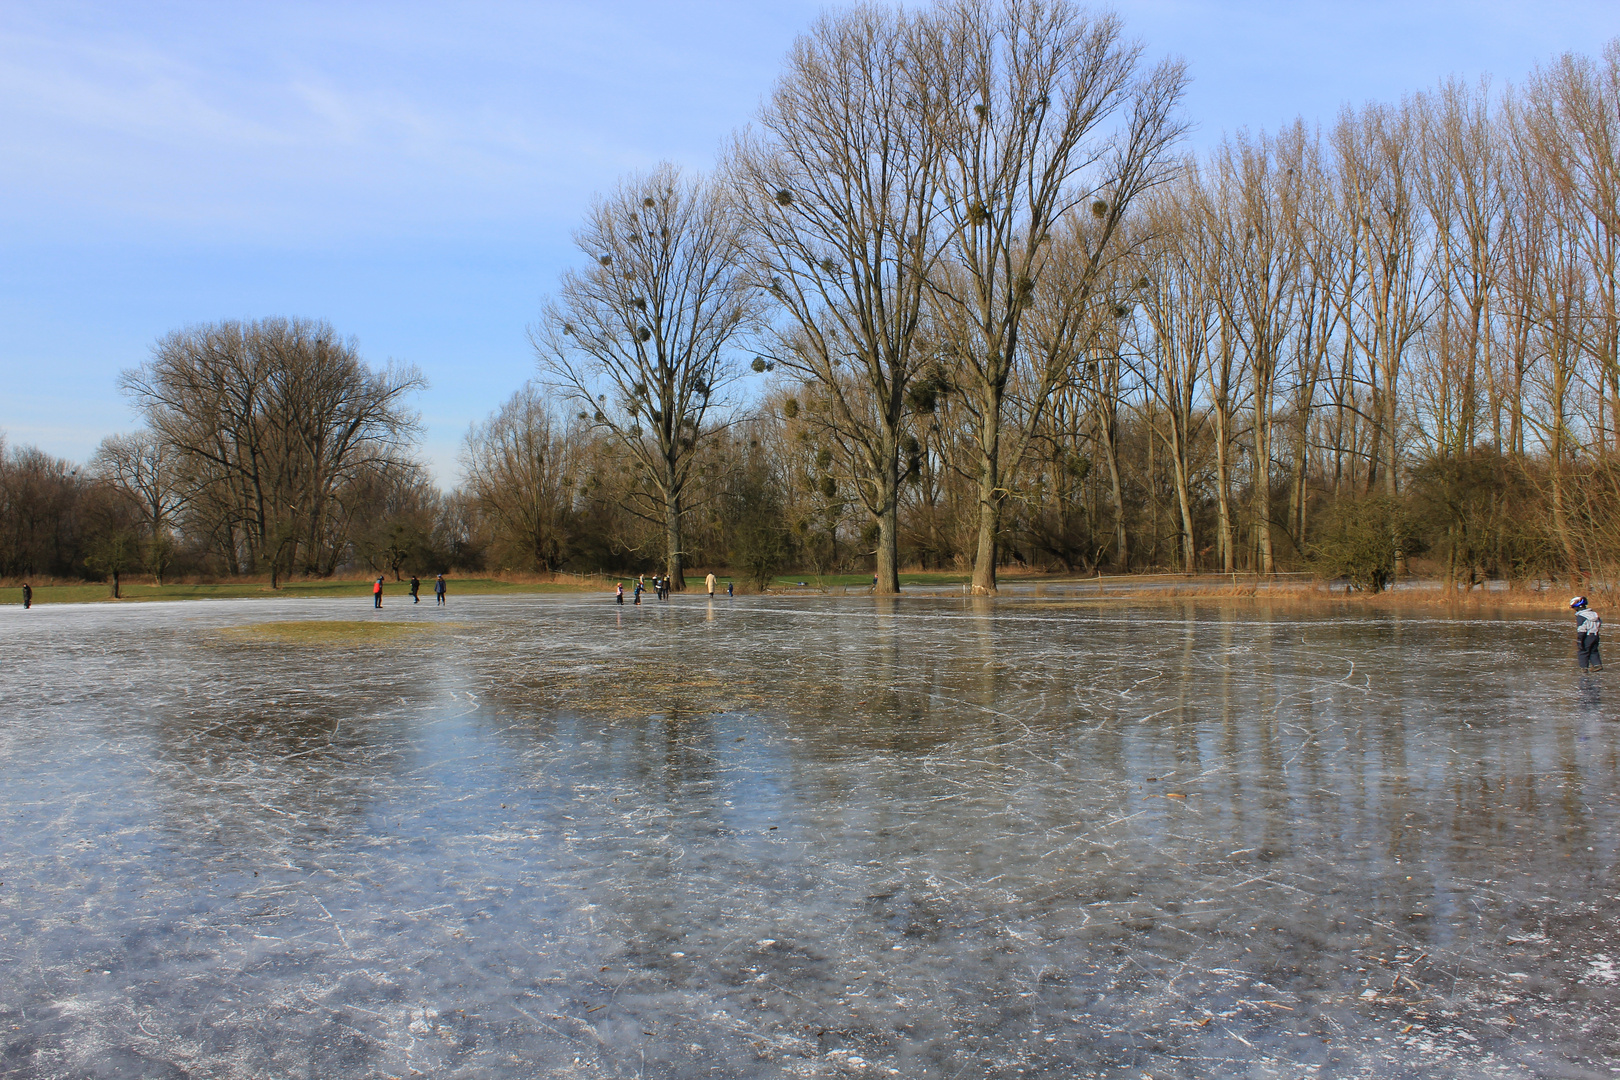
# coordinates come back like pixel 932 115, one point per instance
pixel 618 592
pixel 1587 625
pixel 438 590
pixel 376 593
pixel 416 587
pixel 28 596
pixel 709 581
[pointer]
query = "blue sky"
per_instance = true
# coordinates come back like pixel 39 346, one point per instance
pixel 412 172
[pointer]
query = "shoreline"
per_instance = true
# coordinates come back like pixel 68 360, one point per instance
pixel 1414 593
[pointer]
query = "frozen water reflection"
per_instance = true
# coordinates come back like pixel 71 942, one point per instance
pixel 936 838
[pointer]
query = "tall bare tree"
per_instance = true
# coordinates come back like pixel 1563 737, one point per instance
pixel 642 340
pixel 1172 288
pixel 1378 154
pixel 1051 113
pixel 522 469
pixel 1570 118
pixel 278 416
pixel 1252 206
pixel 839 184
pixel 1460 185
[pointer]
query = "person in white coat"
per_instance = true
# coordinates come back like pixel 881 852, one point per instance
pixel 1587 625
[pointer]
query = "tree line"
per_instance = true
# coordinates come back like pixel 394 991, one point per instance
pixel 959 298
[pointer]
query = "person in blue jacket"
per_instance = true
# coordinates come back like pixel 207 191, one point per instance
pixel 1587 625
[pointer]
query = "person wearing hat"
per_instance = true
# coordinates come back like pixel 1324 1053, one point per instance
pixel 1587 625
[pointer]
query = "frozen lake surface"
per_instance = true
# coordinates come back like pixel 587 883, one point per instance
pixel 781 838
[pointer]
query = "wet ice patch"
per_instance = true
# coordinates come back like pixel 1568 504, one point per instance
pixel 1601 969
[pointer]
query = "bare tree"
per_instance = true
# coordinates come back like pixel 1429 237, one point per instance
pixel 1033 132
pixel 148 471
pixel 1378 164
pixel 522 469
pixel 1173 291
pixel 278 416
pixel 839 186
pixel 1253 203
pixel 642 339
pixel 1226 378
pixel 1460 185
pixel 1570 120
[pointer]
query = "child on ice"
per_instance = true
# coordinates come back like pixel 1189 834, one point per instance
pixel 1587 625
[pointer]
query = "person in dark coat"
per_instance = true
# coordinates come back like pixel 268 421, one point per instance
pixel 1587 625
pixel 438 589
pixel 416 587
pixel 28 596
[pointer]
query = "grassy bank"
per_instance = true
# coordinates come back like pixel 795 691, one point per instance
pixel 89 592
pixel 861 581
pixel 94 592
pixel 1135 588
pixel 1417 596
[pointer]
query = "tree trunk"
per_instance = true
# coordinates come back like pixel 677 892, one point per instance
pixel 888 549
pixel 1262 486
pixel 984 560
pixel 1116 492
pixel 1183 499
pixel 675 556
pixel 1223 498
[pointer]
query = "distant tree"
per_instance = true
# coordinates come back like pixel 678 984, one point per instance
pixel 113 535
pixel 759 539
pixel 41 503
pixel 146 471
pixel 641 340
pixel 522 468
pixel 275 417
pixel 390 516
pixel 1361 539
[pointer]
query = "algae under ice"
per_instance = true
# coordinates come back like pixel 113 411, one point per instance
pixel 804 837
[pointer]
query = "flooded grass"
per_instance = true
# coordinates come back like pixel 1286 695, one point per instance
pixel 338 632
